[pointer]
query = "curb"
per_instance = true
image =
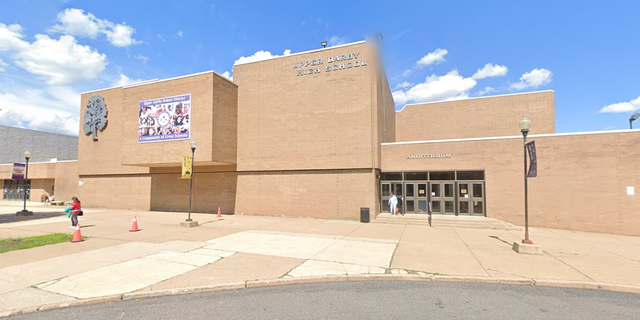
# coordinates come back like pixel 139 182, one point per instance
pixel 338 278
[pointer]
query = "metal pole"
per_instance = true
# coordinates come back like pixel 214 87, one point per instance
pixel 630 124
pixel 193 153
pixel 26 177
pixel 526 194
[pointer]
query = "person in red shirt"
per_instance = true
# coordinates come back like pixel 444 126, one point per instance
pixel 75 210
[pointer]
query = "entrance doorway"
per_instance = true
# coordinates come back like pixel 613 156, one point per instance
pixel 387 188
pixel 471 198
pixel 14 190
pixel 443 197
pixel 416 197
pixel 441 192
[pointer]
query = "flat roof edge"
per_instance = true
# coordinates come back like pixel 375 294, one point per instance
pixel 303 52
pixel 512 137
pixel 40 162
pixel 473 98
pixel 156 80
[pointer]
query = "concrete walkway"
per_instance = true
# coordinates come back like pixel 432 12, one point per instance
pixel 248 251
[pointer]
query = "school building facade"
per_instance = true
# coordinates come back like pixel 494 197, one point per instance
pixel 316 134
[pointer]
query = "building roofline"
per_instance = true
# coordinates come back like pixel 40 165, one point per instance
pixel 39 162
pixel 473 98
pixel 303 52
pixel 47 132
pixel 156 80
pixel 512 137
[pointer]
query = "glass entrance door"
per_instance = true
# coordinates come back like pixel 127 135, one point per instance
pixel 386 189
pixel 416 197
pixel 442 197
pixel 14 190
pixel 471 198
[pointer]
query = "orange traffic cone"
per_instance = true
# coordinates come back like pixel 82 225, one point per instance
pixel 134 227
pixel 219 215
pixel 77 237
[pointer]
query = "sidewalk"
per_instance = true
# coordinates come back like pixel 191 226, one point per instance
pixel 249 251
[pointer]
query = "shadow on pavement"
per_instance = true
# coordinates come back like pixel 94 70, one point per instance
pixel 498 238
pixel 11 217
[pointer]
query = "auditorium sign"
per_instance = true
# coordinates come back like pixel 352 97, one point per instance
pixel 333 63
pixel 429 156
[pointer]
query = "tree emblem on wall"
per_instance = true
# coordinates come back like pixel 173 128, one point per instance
pixel 95 116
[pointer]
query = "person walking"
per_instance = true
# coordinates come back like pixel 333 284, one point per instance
pixel 74 210
pixel 393 203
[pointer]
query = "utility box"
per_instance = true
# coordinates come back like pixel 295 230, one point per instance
pixel 364 215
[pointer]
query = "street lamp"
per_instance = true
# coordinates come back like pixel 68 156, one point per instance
pixel 24 212
pixel 193 153
pixel 323 44
pixel 525 124
pixel 633 118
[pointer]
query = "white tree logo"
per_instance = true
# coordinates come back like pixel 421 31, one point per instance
pixel 95 116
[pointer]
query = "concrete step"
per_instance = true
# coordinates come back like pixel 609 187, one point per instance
pixel 446 221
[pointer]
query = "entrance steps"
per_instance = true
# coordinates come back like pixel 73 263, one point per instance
pixel 446 221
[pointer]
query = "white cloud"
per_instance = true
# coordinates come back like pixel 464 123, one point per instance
pixel 141 58
pixel 161 37
pixel 490 70
pixel 621 107
pixel 405 84
pixel 62 61
pixel 180 34
pixel 487 90
pixel 11 38
pixel 259 56
pixel 448 87
pixel 227 75
pixel 336 41
pixel 123 80
pixel 75 22
pixel 533 79
pixel 435 57
pixel 2 65
pixel 52 109
pixel 58 62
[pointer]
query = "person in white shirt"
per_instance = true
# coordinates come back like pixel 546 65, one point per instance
pixel 48 199
pixel 393 203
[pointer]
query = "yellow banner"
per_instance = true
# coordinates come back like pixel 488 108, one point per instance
pixel 186 167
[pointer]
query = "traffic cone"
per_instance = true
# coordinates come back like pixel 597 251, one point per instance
pixel 219 215
pixel 134 227
pixel 77 237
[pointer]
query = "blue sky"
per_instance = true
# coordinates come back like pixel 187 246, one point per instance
pixel 588 52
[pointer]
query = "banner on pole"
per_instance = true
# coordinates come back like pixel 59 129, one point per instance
pixel 186 167
pixel 18 171
pixel 533 161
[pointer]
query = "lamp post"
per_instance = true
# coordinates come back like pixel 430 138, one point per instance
pixel 633 118
pixel 193 153
pixel 24 212
pixel 323 44
pixel 525 124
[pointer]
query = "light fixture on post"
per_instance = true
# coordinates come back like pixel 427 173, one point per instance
pixel 189 222
pixel 323 44
pixel 25 212
pixel 525 124
pixel 632 119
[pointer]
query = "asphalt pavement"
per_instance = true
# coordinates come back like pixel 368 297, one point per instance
pixel 369 300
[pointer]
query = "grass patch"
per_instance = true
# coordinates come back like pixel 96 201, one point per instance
pixel 7 245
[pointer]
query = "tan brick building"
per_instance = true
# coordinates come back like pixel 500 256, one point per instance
pixel 316 134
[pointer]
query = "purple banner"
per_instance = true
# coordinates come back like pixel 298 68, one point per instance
pixel 165 119
pixel 533 159
pixel 18 171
